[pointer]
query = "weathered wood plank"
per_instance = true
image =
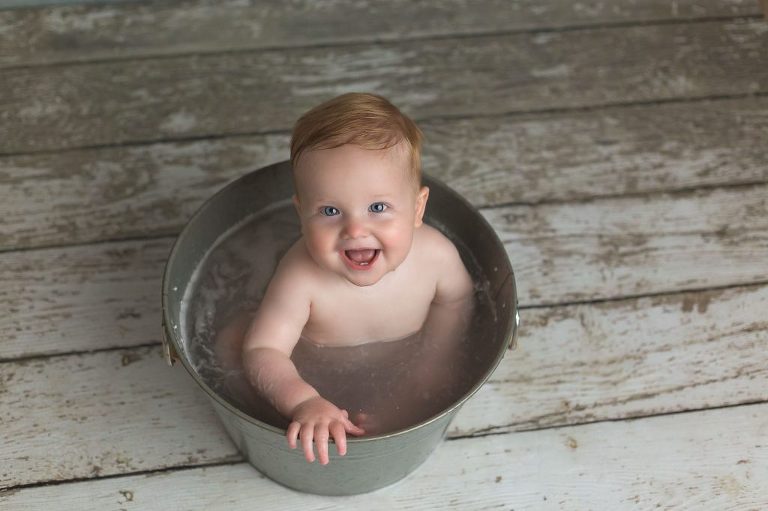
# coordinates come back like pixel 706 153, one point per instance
pixel 627 150
pixel 124 411
pixel 110 193
pixel 169 98
pixel 600 249
pixel 87 32
pixel 715 459
pixel 630 246
pixel 101 414
pixel 82 298
pixel 627 358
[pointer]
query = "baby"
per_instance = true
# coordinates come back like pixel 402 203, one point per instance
pixel 366 267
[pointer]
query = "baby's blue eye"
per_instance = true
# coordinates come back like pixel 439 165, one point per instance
pixel 329 211
pixel 377 207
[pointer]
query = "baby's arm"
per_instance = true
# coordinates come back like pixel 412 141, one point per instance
pixel 454 288
pixel 452 305
pixel 448 319
pixel 267 348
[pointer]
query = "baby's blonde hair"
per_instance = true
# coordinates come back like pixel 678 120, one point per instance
pixel 362 119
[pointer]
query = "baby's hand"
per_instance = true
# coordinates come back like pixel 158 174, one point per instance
pixel 317 418
pixel 367 421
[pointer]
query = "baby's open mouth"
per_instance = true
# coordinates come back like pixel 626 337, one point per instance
pixel 361 258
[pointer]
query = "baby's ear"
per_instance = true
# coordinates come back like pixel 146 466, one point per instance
pixel 421 206
pixel 296 204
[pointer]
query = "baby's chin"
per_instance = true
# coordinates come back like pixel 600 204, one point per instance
pixel 363 281
pixel 367 279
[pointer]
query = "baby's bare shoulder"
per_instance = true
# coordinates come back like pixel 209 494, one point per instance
pixel 433 245
pixel 296 269
pixel 441 255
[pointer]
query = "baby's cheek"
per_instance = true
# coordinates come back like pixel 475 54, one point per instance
pixel 399 237
pixel 320 239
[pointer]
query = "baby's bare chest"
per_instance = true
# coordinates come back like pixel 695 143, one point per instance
pixel 358 315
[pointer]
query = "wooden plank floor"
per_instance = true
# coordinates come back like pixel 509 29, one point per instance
pixel 618 148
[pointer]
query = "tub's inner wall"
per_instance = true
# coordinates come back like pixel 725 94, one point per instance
pixel 224 210
pixel 263 189
pixel 460 221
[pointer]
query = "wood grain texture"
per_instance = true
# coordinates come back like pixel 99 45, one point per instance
pixel 134 101
pixel 627 358
pixel 631 246
pixel 91 195
pixel 102 414
pixel 624 150
pixel 600 249
pixel 81 298
pixel 709 460
pixel 123 411
pixel 90 32
pixel 616 147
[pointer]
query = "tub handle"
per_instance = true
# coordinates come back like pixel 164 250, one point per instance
pixel 169 352
pixel 513 340
pixel 504 292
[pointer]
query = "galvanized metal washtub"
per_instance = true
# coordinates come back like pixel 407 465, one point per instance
pixel 371 462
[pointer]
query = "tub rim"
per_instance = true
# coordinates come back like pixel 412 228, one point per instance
pixel 172 343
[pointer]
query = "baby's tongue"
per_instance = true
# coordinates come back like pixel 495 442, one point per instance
pixel 361 256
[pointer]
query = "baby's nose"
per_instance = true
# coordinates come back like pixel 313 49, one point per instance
pixel 355 228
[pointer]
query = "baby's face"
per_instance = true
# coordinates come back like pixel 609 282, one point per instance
pixel 358 210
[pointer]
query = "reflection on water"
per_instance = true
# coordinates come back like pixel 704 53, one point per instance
pixel 385 386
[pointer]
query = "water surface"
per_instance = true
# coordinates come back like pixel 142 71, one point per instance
pixel 385 386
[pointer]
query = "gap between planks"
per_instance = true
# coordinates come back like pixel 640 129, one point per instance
pixel 569 441
pixel 171 235
pixel 648 158
pixel 577 365
pixel 44 26
pixel 610 240
pixel 509 74
pixel 501 114
pixel 556 305
pixel 383 41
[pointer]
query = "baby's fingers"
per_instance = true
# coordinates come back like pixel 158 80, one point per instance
pixel 321 440
pixel 340 437
pixel 292 434
pixel 307 432
pixel 350 428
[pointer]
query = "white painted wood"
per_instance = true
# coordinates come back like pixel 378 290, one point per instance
pixel 632 246
pixel 611 151
pixel 82 33
pixel 105 103
pixel 101 414
pixel 81 298
pixel 627 358
pixel 116 192
pixel 709 460
pixel 121 411
pixel 114 413
pixel 92 195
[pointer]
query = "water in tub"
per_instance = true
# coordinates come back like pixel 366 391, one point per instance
pixel 385 386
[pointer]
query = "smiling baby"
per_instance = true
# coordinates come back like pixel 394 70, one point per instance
pixel 366 268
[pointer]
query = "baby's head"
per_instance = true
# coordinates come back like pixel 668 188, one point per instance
pixel 364 120
pixel 357 175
